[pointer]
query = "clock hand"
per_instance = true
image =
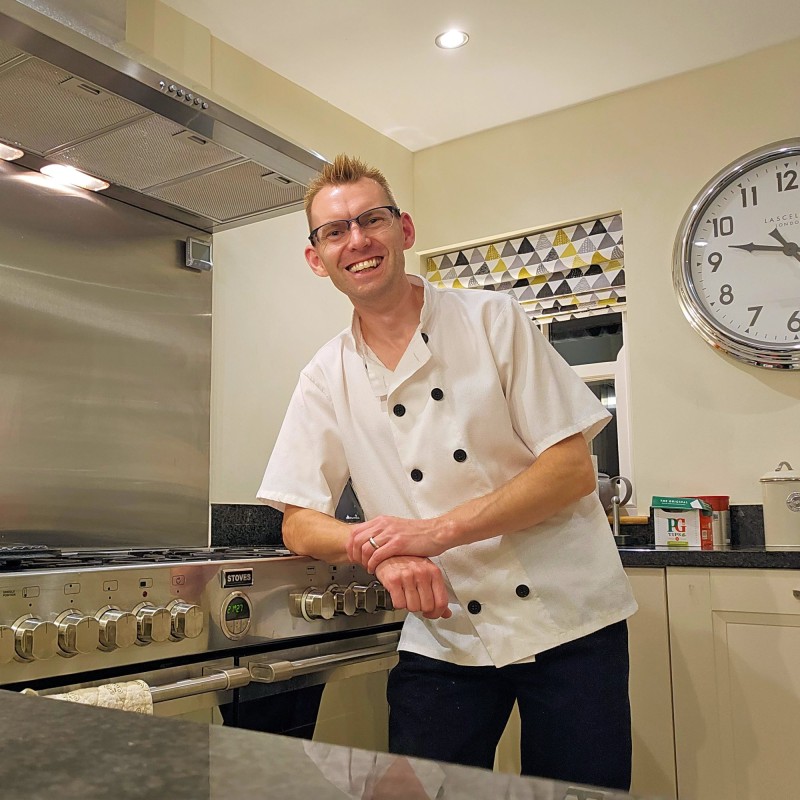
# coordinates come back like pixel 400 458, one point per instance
pixel 790 248
pixel 776 234
pixel 750 247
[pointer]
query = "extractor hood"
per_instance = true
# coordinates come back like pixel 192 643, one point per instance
pixel 68 99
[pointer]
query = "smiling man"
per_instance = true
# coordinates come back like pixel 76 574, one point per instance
pixel 466 438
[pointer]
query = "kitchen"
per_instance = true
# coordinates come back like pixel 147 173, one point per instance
pixel 641 151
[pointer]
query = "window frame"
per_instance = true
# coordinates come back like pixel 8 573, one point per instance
pixel 618 371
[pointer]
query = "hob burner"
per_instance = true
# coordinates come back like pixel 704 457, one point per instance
pixel 19 557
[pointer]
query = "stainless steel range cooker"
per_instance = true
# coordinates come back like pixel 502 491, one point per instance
pixel 193 621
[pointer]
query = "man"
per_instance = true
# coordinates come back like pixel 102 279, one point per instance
pixel 465 436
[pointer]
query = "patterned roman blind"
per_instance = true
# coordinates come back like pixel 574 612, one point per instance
pixel 571 271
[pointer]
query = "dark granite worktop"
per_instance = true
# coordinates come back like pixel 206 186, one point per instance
pixel 51 748
pixel 243 525
pixel 747 557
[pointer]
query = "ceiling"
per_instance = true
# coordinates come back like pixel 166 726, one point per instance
pixel 377 61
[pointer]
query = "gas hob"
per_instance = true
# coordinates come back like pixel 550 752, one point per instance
pixel 64 613
pixel 15 557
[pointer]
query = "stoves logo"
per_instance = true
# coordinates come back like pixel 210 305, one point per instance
pixel 237 577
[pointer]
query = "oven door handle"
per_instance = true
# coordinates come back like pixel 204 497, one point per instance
pixel 274 671
pixel 213 680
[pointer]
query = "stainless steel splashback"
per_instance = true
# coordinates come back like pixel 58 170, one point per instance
pixel 105 355
pixel 68 99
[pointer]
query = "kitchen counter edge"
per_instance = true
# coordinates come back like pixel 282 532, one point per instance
pixel 720 557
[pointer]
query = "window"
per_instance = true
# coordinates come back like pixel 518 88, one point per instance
pixel 571 282
pixel 595 348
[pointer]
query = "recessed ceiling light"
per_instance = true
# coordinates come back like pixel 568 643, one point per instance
pixel 449 40
pixel 10 153
pixel 74 177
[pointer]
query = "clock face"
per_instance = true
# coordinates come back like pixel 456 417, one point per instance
pixel 737 258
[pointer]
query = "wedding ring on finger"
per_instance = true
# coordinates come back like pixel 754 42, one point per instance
pixel 373 543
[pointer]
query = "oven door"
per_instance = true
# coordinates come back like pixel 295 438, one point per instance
pixel 334 691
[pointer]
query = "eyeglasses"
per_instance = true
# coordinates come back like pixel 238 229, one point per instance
pixel 373 221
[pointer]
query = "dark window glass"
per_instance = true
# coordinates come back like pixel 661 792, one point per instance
pixel 604 445
pixel 588 340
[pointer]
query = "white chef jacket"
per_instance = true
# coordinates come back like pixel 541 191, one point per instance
pixel 477 396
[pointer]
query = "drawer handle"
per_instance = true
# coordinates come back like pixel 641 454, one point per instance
pixel 796 593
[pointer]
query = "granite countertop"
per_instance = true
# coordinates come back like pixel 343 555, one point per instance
pixel 51 748
pixel 748 557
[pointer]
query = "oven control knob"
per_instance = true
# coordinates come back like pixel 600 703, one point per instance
pixel 384 598
pixel 117 628
pixel 312 604
pixel 344 599
pixel 366 597
pixel 6 644
pixel 154 624
pixel 35 639
pixel 187 620
pixel 77 633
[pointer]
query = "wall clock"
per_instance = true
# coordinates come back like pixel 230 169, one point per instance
pixel 736 267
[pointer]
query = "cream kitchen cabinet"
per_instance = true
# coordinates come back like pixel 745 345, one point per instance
pixel 651 686
pixel 650 692
pixel 735 651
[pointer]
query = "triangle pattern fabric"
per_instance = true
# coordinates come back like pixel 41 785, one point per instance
pixel 508 251
pixel 569 271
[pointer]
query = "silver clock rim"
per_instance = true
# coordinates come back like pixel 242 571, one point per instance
pixel 768 356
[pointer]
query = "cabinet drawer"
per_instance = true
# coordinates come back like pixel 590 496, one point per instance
pixel 758 591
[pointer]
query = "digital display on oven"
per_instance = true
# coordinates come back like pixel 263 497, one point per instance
pixel 237 608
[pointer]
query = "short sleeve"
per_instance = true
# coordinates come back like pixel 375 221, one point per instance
pixel 307 467
pixel 547 400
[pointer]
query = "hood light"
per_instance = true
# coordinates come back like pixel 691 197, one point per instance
pixel 73 177
pixel 10 153
pixel 449 40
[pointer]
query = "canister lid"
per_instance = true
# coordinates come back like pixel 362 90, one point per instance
pixel 783 472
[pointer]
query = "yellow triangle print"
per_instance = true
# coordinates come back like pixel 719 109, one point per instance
pixel 435 277
pixel 500 266
pixel 432 265
pixel 578 262
pixel 458 285
pixel 598 258
pixel 569 250
pixel 491 253
pixel 561 238
pixel 523 273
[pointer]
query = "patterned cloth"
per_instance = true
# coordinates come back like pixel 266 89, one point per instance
pixel 129 696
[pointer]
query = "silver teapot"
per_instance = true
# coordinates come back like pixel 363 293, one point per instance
pixel 608 487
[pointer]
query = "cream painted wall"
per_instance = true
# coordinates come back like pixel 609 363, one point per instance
pixel 270 312
pixel 702 423
pixel 270 315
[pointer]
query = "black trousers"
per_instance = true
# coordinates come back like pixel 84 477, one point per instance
pixel 573 703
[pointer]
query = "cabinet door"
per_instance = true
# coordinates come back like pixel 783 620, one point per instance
pixel 651 686
pixel 736 651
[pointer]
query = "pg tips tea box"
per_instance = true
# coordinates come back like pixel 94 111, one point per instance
pixel 683 522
